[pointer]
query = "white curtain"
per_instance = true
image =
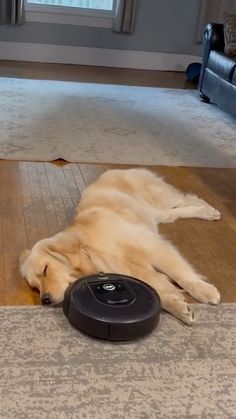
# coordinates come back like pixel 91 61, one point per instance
pixel 12 12
pixel 125 14
pixel 212 11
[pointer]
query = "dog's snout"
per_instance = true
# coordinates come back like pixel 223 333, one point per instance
pixel 46 299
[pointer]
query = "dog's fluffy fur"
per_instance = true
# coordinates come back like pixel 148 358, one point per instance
pixel 116 230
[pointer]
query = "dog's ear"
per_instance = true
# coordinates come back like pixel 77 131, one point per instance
pixel 56 251
pixel 23 256
pixel 65 248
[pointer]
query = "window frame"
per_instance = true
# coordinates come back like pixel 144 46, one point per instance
pixel 67 15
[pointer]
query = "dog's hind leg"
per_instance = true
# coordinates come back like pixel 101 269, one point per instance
pixel 206 211
pixel 170 204
pixel 203 212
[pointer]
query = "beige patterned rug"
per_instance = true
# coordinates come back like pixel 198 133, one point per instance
pixel 50 370
pixel 92 123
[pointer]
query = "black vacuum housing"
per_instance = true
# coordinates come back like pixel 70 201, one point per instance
pixel 111 306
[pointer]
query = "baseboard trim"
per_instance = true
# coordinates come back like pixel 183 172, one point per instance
pixel 63 54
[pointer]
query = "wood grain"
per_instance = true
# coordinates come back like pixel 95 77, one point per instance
pixel 39 199
pixel 91 74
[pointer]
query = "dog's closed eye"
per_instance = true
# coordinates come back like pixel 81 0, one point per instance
pixel 45 270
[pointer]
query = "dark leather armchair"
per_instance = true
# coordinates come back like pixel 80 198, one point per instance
pixel 217 81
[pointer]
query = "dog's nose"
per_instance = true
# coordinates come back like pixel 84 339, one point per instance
pixel 46 299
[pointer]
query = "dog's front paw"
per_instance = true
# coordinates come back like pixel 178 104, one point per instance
pixel 187 315
pixel 182 311
pixel 207 293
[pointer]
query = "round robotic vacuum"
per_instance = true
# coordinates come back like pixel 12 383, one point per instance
pixel 111 306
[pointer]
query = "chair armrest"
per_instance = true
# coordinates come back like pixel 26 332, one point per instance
pixel 213 39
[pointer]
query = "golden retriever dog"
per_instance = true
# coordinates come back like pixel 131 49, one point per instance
pixel 116 230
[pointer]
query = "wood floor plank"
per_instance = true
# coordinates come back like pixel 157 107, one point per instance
pixel 31 222
pixel 38 199
pixel 66 197
pixel 91 172
pixel 79 180
pixel 91 74
pixel 47 200
pixel 2 276
pixel 72 186
pixel 56 194
pixel 13 227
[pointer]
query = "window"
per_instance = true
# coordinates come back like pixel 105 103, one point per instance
pixel 84 4
pixel 74 12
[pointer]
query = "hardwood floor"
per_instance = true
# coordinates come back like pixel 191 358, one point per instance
pixel 39 199
pixel 90 74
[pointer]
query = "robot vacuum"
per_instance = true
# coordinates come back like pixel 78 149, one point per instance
pixel 112 307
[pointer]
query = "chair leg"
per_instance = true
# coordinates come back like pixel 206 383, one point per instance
pixel 204 98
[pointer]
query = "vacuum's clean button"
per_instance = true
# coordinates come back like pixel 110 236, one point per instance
pixel 109 287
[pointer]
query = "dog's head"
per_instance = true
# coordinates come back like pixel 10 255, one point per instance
pixel 51 266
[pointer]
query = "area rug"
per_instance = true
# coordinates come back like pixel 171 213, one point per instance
pixel 50 370
pixel 98 123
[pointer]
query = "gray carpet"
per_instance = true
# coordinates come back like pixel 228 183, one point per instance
pixel 49 370
pixel 98 123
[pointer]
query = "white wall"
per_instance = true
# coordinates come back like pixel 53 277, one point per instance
pixel 212 11
pixel 162 26
pixel 164 39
